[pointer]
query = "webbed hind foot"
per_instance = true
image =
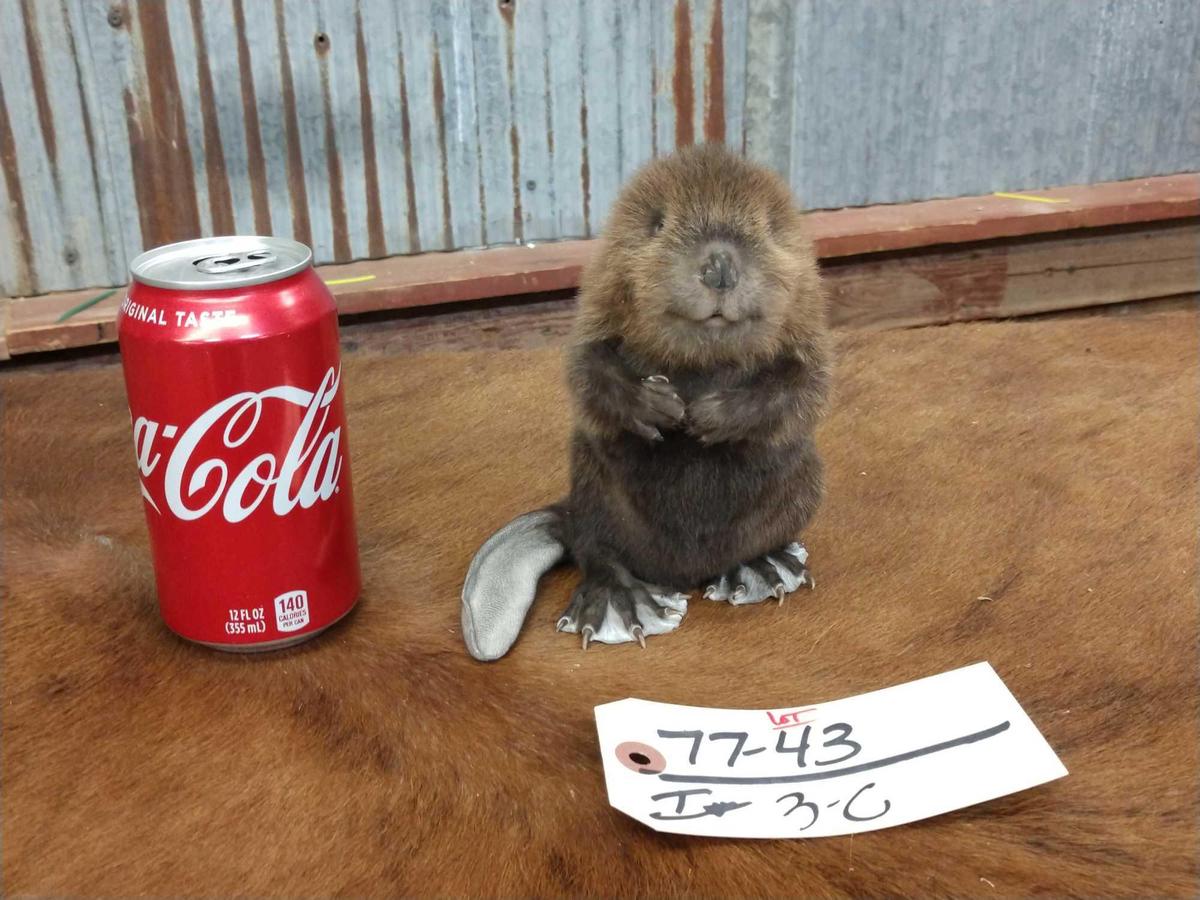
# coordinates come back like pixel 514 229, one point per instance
pixel 622 610
pixel 773 575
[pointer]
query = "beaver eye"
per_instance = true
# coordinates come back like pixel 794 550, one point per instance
pixel 656 223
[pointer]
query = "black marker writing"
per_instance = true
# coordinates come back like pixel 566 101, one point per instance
pixel 740 737
pixel 710 809
pixel 842 740
pixel 801 750
pixel 887 804
pixel 837 773
pixel 837 737
pixel 813 812
pixel 809 806
pixel 694 736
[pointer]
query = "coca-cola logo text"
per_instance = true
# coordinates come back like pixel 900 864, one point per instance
pixel 193 487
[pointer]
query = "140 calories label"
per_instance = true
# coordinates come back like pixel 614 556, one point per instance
pixel 291 611
pixel 867 762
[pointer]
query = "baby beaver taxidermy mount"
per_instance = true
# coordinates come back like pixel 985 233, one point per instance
pixel 698 370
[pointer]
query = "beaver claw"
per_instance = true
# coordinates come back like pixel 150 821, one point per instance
pixel 774 575
pixel 611 613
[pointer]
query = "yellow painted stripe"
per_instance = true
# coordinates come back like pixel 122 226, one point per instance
pixel 86 304
pixel 354 280
pixel 1032 197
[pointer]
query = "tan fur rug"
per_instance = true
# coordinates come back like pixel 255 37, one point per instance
pixel 1049 465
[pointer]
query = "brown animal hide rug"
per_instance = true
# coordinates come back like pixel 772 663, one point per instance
pixel 1050 466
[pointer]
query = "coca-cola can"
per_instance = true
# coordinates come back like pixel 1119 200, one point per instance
pixel 232 368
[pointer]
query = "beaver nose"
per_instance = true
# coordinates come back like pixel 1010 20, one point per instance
pixel 718 271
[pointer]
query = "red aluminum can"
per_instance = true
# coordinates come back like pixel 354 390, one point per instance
pixel 233 373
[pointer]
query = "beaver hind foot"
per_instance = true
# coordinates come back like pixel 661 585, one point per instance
pixel 773 575
pixel 617 608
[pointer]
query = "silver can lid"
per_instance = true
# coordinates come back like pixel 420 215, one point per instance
pixel 216 263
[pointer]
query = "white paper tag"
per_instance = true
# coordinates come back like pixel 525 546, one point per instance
pixel 873 761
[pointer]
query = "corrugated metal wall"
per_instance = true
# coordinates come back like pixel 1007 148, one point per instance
pixel 376 127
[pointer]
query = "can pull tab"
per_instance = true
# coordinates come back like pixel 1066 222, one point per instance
pixel 234 262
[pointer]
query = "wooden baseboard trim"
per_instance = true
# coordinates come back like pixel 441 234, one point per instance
pixel 1012 277
pixel 913 263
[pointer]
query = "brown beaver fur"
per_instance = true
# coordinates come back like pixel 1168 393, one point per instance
pixel 698 370
pixel 707 283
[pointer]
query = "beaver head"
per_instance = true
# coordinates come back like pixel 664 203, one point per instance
pixel 704 261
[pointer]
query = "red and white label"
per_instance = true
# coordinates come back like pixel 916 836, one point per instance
pixel 192 487
pixel 291 611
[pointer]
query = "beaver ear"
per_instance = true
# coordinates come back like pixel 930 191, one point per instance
pixel 657 221
pixel 781 216
pixel 604 304
pixel 622 294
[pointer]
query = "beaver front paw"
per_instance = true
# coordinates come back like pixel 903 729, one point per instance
pixel 713 418
pixel 615 613
pixel 656 408
pixel 775 574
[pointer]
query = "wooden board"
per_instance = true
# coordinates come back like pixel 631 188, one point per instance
pixel 51 322
pixel 1101 271
pixel 37 323
pixel 877 229
pixel 1016 276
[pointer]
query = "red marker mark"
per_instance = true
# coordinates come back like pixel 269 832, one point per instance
pixel 788 719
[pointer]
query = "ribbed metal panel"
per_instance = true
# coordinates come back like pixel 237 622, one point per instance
pixel 368 128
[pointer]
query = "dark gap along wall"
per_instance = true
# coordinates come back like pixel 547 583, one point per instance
pixel 369 128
